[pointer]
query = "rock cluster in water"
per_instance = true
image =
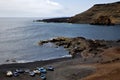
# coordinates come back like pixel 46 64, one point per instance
pixel 80 46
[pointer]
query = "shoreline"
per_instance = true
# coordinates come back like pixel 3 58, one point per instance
pixel 89 57
pixel 58 64
pixel 14 61
pixel 80 46
pixel 65 68
pixel 37 63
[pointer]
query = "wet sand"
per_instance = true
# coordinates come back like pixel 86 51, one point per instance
pixel 64 68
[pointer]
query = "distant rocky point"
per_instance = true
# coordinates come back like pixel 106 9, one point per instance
pixel 58 20
pixel 99 14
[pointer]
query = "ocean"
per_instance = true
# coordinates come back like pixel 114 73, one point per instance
pixel 19 38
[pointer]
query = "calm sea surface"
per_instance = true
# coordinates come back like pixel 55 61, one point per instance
pixel 19 38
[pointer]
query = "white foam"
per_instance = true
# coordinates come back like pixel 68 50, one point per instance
pixel 66 56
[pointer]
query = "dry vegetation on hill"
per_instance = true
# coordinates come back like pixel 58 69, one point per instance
pixel 112 10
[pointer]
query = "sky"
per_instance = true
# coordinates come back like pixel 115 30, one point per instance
pixel 46 8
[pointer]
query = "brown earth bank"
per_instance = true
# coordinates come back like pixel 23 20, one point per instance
pixel 109 71
pixel 109 67
pixel 93 60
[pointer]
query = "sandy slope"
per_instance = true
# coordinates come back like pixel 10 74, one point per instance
pixel 110 71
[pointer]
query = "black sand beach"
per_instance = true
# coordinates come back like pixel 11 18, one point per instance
pixel 75 68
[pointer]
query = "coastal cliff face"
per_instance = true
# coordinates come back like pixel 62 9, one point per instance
pixel 111 10
pixel 99 14
pixel 102 20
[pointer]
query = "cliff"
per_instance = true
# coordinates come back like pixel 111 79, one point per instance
pixel 112 10
pixel 101 14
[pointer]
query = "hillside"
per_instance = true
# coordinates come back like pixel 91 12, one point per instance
pixel 112 10
pixel 101 14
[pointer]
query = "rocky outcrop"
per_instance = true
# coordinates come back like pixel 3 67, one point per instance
pixel 102 20
pixel 58 20
pixel 80 46
pixel 112 10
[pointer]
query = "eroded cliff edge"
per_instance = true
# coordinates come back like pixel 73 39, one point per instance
pixel 111 10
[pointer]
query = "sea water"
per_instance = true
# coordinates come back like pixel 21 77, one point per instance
pixel 19 38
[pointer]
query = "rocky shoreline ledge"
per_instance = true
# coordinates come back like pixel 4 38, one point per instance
pixel 82 47
pixel 55 20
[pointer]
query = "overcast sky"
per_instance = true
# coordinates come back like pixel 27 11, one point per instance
pixel 46 8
